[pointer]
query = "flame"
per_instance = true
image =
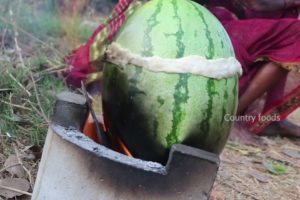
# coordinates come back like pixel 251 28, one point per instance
pixel 90 131
pixel 123 147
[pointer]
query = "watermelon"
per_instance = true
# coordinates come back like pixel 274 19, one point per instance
pixel 152 110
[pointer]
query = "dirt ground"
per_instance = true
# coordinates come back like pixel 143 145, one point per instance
pixel 244 172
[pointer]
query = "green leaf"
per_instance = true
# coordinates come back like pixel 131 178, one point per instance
pixel 275 167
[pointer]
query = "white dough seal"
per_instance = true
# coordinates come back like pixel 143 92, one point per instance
pixel 197 65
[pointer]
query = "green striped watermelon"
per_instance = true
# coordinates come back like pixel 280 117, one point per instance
pixel 151 111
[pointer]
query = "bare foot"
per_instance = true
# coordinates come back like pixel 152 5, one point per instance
pixel 289 129
pixel 283 128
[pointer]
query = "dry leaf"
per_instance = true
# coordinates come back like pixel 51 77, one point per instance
pixel 15 183
pixel 33 153
pixel 292 153
pixel 224 174
pixel 13 166
pixel 2 158
pixel 258 176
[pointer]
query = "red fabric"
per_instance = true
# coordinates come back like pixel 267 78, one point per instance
pixel 254 39
pixel 79 60
pixel 275 40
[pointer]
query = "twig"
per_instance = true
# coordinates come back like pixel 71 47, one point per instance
pixel 10 102
pixel 21 163
pixel 15 105
pixel 5 168
pixel 239 179
pixel 5 89
pixel 15 190
pixel 54 70
pixel 37 111
pixel 26 131
pixel 3 38
pixel 18 49
pixel 38 98
pixel 19 84
pixel 241 192
pixel 100 133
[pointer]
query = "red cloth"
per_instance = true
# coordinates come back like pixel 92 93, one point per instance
pixel 79 61
pixel 254 39
pixel 275 40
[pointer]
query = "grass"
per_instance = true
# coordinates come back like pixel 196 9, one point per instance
pixel 44 35
pixel 27 87
pixel 26 102
pixel 34 41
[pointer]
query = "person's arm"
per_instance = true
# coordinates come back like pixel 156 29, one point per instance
pixel 270 5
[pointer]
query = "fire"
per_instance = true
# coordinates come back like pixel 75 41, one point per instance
pixel 123 147
pixel 116 143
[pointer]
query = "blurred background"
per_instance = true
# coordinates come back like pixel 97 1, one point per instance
pixel 35 38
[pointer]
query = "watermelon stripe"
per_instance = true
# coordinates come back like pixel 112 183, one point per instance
pixel 234 89
pixel 225 103
pixel 179 34
pixel 226 95
pixel 152 22
pixel 181 96
pixel 227 40
pixel 211 91
pixel 223 114
pixel 211 45
pixel 235 93
pixel 160 100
